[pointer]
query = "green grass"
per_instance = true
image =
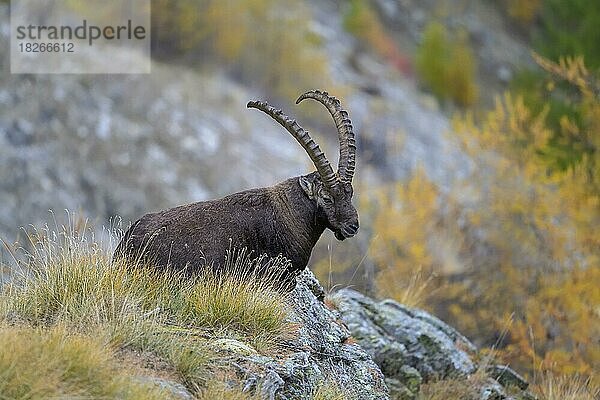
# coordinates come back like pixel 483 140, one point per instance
pixel 70 281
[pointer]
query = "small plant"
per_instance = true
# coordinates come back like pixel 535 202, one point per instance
pixel 458 387
pixel 448 389
pixel 363 22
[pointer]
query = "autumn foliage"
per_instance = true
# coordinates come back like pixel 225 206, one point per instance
pixel 513 252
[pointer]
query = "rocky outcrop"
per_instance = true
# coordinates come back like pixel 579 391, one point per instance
pixel 397 336
pixel 321 353
pixel 368 349
pixel 411 346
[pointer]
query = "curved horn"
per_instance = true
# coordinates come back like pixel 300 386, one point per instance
pixel 314 151
pixel 347 161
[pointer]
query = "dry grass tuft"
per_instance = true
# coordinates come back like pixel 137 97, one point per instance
pixel 68 280
pixel 55 364
pixel 217 390
pixel 417 289
pixel 329 390
pixel 448 389
pixel 553 387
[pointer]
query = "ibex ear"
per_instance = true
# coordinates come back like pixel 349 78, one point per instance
pixel 308 186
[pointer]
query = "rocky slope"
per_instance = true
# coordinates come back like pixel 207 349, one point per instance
pixel 370 349
pixel 125 145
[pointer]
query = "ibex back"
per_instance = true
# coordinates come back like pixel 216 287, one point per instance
pixel 285 219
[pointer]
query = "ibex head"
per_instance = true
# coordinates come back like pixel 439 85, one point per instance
pixel 332 192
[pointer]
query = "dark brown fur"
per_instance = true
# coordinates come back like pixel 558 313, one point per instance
pixel 277 220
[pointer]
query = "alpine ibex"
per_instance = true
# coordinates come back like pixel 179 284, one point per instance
pixel 285 219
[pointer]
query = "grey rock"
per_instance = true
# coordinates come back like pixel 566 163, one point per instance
pixel 492 390
pixel 398 391
pixel 504 74
pixel 412 347
pixel 319 353
pixel 411 378
pixel 174 389
pixel 397 336
pixel 406 385
pixel 507 377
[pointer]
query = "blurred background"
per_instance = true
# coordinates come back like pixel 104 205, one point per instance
pixel 478 178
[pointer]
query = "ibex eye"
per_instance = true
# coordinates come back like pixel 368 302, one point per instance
pixel 328 200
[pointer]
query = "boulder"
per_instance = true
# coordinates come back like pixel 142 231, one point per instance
pixel 398 336
pixel 320 353
pixel 411 347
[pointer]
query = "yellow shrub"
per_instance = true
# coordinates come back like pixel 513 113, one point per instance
pixel 409 247
pixel 516 247
pixel 540 222
pixel 560 326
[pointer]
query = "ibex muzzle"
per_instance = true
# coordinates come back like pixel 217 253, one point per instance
pixel 285 219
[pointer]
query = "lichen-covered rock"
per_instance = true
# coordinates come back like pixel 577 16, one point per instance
pixel 412 346
pixel 411 378
pixel 507 376
pixel 406 383
pixel 398 391
pixel 397 336
pixel 320 353
pixel 233 346
pixel 492 390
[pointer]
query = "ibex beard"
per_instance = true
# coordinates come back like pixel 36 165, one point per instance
pixel 285 219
